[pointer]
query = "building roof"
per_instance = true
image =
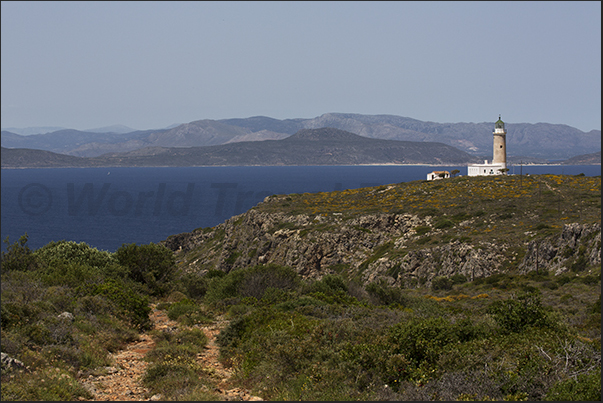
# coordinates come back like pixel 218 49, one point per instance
pixel 499 124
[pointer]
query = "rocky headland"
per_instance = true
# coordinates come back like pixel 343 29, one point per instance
pixel 410 233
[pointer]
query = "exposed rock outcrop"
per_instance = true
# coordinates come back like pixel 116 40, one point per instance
pixel 373 247
pixel 10 363
pixel 577 245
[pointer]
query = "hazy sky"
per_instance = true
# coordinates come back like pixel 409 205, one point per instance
pixel 148 65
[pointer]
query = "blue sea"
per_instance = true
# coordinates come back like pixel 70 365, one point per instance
pixel 107 207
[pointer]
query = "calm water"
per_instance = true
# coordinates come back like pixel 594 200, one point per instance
pixel 106 207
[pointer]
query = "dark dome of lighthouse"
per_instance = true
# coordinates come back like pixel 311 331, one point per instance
pixel 499 124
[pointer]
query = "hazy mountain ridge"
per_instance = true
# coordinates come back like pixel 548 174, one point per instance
pixel 28 131
pixel 539 140
pixel 325 146
pixel 28 158
pixel 593 158
pixel 79 143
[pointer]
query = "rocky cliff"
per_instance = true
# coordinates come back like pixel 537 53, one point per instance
pixel 375 234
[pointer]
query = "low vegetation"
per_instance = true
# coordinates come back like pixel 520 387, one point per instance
pixel 67 306
pixel 489 208
pixel 509 336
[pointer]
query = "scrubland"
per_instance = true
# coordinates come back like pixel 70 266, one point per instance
pixel 509 336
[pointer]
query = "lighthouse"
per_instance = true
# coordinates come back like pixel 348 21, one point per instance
pixel 499 154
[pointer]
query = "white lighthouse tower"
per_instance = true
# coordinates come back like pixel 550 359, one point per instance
pixel 499 155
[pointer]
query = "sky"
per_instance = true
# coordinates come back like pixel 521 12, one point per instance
pixel 148 65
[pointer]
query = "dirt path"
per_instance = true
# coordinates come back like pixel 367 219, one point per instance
pixel 122 381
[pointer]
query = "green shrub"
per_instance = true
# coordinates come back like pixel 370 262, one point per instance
pixel 564 279
pixel 153 265
pixel 302 301
pixel 195 285
pixel 273 296
pixel 49 384
pixel 231 336
pixel 589 279
pixel 94 305
pixel 188 312
pixel 75 253
pixel 220 288
pixel 382 294
pixel 579 264
pixel 422 230
pixel 586 387
pixel 171 378
pixel 77 276
pixel 423 240
pixel 444 223
pixel 251 282
pixel 441 283
pixel 458 279
pixel 133 305
pixel 331 289
pixel 258 279
pixel 518 313
pixel 195 337
pixel 214 273
pixel 596 308
pixel 479 281
pixel 16 314
pixel 18 256
pixel 421 341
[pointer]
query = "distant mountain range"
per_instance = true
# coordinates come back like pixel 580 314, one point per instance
pixel 529 142
pixel 325 146
pixel 586 159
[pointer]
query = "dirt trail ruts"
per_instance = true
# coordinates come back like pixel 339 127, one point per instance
pixel 123 380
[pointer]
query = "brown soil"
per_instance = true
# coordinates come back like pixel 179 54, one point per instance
pixel 122 381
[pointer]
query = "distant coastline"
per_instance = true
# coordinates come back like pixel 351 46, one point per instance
pixel 225 166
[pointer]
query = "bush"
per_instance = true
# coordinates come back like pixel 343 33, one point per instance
pixel 44 385
pixel 77 276
pixel 133 305
pixel 257 280
pixel 596 307
pixel 251 283
pixel 458 279
pixel 580 264
pixel 444 223
pixel 331 289
pixel 422 230
pixel 382 294
pixel 185 344
pixel 441 283
pixel 63 252
pixel 187 312
pixel 516 314
pixel 422 341
pixel 586 387
pixel 195 285
pixel 153 265
pixel 231 336
pixel 171 377
pixel 18 256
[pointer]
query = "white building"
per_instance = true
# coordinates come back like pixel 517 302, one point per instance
pixel 499 154
pixel 438 175
pixel 485 169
